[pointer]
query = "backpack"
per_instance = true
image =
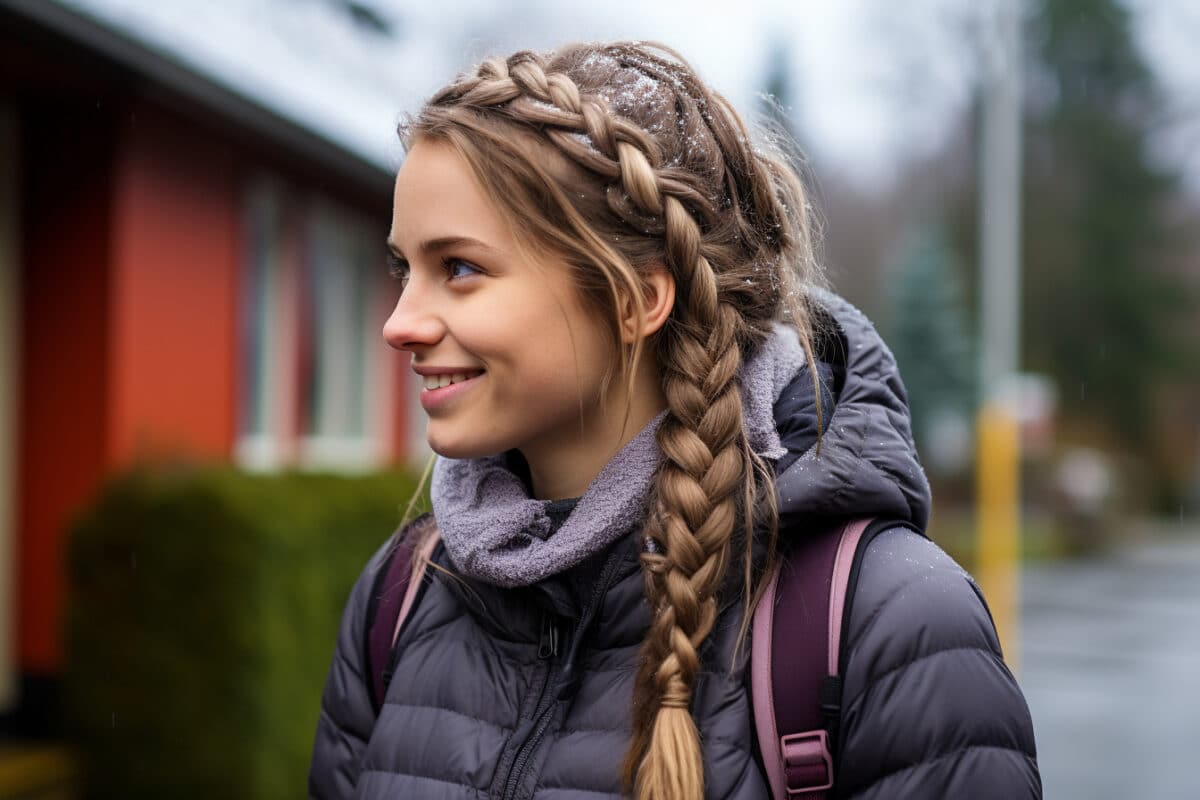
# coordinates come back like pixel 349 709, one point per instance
pixel 796 647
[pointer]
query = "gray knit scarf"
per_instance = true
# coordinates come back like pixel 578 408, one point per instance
pixel 494 531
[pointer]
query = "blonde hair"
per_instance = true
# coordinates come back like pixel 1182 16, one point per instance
pixel 619 159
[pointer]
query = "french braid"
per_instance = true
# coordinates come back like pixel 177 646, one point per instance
pixel 622 160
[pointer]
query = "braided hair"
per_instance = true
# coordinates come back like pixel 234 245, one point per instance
pixel 621 160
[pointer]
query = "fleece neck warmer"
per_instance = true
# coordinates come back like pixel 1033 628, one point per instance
pixel 495 532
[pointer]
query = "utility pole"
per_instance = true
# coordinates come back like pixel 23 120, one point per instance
pixel 998 468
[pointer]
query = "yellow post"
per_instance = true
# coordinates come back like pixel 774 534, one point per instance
pixel 999 503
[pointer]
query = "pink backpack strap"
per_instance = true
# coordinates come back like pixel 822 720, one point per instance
pixel 424 552
pixel 394 596
pixel 796 641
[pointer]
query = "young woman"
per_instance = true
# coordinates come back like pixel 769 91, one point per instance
pixel 640 396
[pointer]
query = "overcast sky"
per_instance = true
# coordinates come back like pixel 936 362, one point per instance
pixel 878 80
pixel 870 83
pixel 875 82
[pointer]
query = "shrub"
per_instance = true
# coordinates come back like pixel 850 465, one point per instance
pixel 203 610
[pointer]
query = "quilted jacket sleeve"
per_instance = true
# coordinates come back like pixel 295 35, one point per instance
pixel 346 716
pixel 929 708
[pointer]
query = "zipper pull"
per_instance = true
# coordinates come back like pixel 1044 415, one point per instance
pixel 548 645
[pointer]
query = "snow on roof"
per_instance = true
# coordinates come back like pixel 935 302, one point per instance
pixel 342 69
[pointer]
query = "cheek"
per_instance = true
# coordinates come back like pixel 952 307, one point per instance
pixel 575 365
pixel 540 347
pixel 548 374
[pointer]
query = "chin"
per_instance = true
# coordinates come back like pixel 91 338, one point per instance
pixel 448 446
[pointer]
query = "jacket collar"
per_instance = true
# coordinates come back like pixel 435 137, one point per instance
pixel 866 464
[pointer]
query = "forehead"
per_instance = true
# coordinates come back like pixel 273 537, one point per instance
pixel 437 195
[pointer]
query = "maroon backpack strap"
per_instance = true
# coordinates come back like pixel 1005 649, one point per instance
pixel 796 640
pixel 393 600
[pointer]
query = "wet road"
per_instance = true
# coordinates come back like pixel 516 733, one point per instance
pixel 1110 664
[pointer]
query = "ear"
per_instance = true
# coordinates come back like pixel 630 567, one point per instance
pixel 659 300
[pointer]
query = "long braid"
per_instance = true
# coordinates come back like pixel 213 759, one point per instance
pixel 686 208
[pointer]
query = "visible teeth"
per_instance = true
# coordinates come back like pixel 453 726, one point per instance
pixel 440 381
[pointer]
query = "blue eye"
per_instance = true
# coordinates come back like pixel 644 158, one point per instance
pixel 457 268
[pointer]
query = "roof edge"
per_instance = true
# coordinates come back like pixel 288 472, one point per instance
pixel 159 68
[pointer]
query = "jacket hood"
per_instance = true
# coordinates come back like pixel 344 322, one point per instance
pixel 866 463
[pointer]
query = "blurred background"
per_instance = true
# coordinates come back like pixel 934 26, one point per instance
pixel 203 436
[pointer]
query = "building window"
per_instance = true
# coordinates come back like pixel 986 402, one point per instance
pixel 317 382
pixel 345 382
pixel 266 336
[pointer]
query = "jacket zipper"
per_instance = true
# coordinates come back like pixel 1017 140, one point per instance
pixel 547 650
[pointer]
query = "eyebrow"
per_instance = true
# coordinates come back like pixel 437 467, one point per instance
pixel 442 243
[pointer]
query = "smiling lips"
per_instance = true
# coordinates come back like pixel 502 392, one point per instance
pixel 445 379
pixel 440 388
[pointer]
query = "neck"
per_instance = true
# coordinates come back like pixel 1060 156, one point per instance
pixel 566 466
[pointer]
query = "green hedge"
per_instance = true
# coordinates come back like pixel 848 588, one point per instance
pixel 204 606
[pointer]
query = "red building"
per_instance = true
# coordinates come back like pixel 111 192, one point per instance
pixel 184 270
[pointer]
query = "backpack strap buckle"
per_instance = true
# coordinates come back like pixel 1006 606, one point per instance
pixel 807 762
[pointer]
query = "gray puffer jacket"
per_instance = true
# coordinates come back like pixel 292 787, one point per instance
pixel 524 691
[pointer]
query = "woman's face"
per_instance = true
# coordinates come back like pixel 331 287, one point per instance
pixel 523 358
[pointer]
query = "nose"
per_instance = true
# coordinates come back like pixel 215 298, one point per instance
pixel 413 325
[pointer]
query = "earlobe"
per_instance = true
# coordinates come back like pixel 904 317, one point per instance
pixel 659 299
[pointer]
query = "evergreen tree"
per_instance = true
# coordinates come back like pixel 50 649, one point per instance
pixel 1103 310
pixel 928 331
